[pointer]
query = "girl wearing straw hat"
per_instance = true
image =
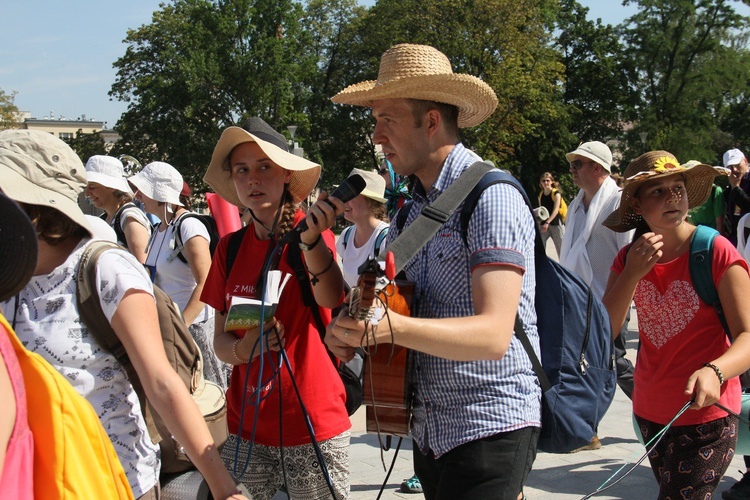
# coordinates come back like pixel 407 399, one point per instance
pixel 286 401
pixel 158 187
pixel 45 176
pixel 684 353
pixel 108 190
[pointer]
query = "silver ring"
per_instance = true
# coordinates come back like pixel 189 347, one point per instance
pixel 346 332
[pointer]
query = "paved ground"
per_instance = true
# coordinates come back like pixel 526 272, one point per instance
pixel 563 477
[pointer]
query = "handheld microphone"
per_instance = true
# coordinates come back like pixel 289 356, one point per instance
pixel 347 190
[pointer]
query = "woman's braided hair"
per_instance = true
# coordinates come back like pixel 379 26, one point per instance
pixel 286 221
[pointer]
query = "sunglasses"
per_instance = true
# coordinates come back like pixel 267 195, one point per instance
pixel 383 171
pixel 578 164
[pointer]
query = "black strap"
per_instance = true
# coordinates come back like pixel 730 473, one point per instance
pixel 233 247
pixel 294 255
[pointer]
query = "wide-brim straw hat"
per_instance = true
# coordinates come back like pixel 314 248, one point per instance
pixel 654 165
pixel 37 168
pixel 409 71
pixel 305 174
pixel 18 248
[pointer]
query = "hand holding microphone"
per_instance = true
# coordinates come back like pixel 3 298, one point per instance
pixel 323 213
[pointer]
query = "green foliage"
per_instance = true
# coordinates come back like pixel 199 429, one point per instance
pixel 87 145
pixel 8 110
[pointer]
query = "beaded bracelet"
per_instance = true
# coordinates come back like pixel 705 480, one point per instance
pixel 234 352
pixel 314 280
pixel 716 371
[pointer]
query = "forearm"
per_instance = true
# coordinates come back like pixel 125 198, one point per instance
pixel 737 196
pixel 736 360
pixel 194 306
pixel 468 338
pixel 325 275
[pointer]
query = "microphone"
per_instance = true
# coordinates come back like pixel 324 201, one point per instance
pixel 347 190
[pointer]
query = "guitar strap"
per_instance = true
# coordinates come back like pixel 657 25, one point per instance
pixel 434 215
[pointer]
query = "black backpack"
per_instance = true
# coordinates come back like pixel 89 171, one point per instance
pixel 206 220
pixel 577 370
pixel 116 225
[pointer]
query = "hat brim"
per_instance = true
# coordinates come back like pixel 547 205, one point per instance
pixel 586 154
pixel 475 100
pixel 698 182
pixel 18 248
pixel 372 195
pixel 144 186
pixel 20 189
pixel 108 181
pixel 305 174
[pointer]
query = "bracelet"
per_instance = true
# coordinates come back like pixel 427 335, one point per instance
pixel 234 352
pixel 314 280
pixel 716 371
pixel 306 248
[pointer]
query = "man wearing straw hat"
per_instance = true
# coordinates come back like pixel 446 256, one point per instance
pixel 476 413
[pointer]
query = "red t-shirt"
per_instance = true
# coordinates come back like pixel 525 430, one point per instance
pixel 678 333
pixel 319 384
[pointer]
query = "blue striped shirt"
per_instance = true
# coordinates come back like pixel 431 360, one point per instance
pixel 456 402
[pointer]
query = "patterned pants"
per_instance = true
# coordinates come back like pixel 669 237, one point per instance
pixel 214 369
pixel 304 477
pixel 691 459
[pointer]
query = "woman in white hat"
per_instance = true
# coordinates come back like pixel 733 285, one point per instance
pixel 685 357
pixel 366 237
pixel 300 406
pixel 108 190
pixel 45 176
pixel 179 266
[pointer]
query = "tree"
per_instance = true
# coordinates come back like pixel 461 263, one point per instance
pixel 8 110
pixel 87 145
pixel 201 66
pixel 684 71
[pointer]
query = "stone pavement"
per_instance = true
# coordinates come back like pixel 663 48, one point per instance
pixel 554 476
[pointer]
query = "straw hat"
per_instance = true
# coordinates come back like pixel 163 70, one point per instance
pixel 305 173
pixel 374 184
pixel 422 72
pixel 654 165
pixel 107 171
pixel 37 168
pixel 18 248
pixel 159 181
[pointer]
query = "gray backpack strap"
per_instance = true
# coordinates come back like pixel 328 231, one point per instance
pixel 433 216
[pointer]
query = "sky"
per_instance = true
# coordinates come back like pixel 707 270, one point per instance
pixel 57 56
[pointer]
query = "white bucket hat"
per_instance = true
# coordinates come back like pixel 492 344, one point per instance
pixel 159 181
pixel 107 171
pixel 596 151
pixel 37 168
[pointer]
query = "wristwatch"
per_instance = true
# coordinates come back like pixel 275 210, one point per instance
pixel 306 248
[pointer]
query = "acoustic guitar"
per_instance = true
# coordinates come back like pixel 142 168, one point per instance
pixel 386 389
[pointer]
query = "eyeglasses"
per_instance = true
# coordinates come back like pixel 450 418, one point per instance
pixel 578 164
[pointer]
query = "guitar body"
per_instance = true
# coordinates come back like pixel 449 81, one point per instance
pixel 386 391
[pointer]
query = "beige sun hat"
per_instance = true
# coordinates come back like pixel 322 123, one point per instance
pixel 409 71
pixel 374 184
pixel 653 165
pixel 305 173
pixel 37 168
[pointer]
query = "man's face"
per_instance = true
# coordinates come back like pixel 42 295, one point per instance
pixel 584 171
pixel 740 168
pixel 404 144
